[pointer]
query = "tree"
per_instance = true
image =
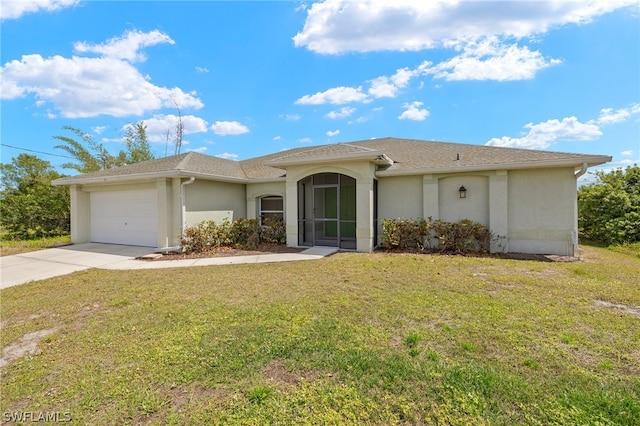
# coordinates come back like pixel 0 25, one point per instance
pixel 609 209
pixel 138 147
pixel 30 207
pixel 92 156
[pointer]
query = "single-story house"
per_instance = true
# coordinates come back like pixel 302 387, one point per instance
pixel 337 194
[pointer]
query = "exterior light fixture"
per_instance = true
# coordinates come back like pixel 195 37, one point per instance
pixel 463 192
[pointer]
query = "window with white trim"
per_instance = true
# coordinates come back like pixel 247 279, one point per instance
pixel 271 206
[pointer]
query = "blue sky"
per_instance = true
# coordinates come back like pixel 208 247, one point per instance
pixel 252 78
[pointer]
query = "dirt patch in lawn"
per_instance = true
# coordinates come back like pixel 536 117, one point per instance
pixel 27 344
pixel 276 372
pixel 633 310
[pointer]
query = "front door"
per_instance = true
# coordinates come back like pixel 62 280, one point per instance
pixel 325 217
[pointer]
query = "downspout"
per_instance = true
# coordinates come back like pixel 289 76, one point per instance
pixel 183 207
pixel 582 171
pixel 577 250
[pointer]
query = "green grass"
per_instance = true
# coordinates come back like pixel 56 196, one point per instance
pixel 632 249
pixel 350 339
pixel 9 247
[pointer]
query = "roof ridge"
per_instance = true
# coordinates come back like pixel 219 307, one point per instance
pixel 184 161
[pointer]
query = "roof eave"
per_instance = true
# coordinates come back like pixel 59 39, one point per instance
pixel 268 180
pixel 591 161
pixel 146 176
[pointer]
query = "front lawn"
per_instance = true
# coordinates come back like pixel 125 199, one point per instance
pixel 349 339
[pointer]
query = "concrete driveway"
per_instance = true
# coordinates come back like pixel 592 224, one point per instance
pixel 41 264
pixel 38 265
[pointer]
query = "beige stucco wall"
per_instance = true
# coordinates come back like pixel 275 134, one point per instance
pixel 210 200
pixel 542 211
pixel 400 197
pixel 255 191
pixel 475 206
pixel 532 211
pixel 80 215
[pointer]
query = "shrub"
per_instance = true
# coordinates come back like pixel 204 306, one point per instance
pixel 437 235
pixel 273 230
pixel 241 233
pixel 609 209
pixel 245 233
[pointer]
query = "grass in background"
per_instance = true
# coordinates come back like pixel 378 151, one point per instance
pixel 632 249
pixel 350 339
pixel 9 247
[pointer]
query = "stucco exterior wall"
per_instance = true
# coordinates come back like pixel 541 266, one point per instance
pixel 255 191
pixel 475 206
pixel 400 197
pixel 542 211
pixel 532 211
pixel 80 215
pixel 210 200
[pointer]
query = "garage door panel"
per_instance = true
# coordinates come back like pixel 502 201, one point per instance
pixel 124 217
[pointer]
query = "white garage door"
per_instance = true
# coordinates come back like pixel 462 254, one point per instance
pixel 125 217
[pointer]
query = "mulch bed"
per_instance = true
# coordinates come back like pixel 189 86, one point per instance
pixel 265 248
pixel 230 251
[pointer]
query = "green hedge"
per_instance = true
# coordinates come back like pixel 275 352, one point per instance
pixel 460 237
pixel 241 233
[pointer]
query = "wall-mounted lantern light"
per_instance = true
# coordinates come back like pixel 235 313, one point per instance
pixel 463 192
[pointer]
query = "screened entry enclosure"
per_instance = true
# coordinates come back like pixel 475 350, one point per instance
pixel 327 211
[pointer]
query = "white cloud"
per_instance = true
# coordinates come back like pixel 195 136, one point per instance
pixel 126 47
pixel 489 59
pixel 200 150
pixel 98 129
pixel 542 135
pixel 382 87
pixel 609 116
pixel 81 87
pixel 202 70
pixel 359 120
pixel 227 156
pixel 336 96
pixel 277 138
pixel 332 133
pixel 343 112
pixel 290 117
pixel 388 87
pixel 305 140
pixel 379 87
pixel 14 9
pixel 224 128
pixel 414 112
pixel 160 125
pixel 627 153
pixel 340 26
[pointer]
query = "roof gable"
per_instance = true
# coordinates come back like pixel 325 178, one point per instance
pixel 328 153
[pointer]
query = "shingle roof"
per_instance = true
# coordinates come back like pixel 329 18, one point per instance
pixel 190 163
pixel 412 155
pixel 409 156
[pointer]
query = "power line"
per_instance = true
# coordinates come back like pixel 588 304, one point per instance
pixel 37 152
